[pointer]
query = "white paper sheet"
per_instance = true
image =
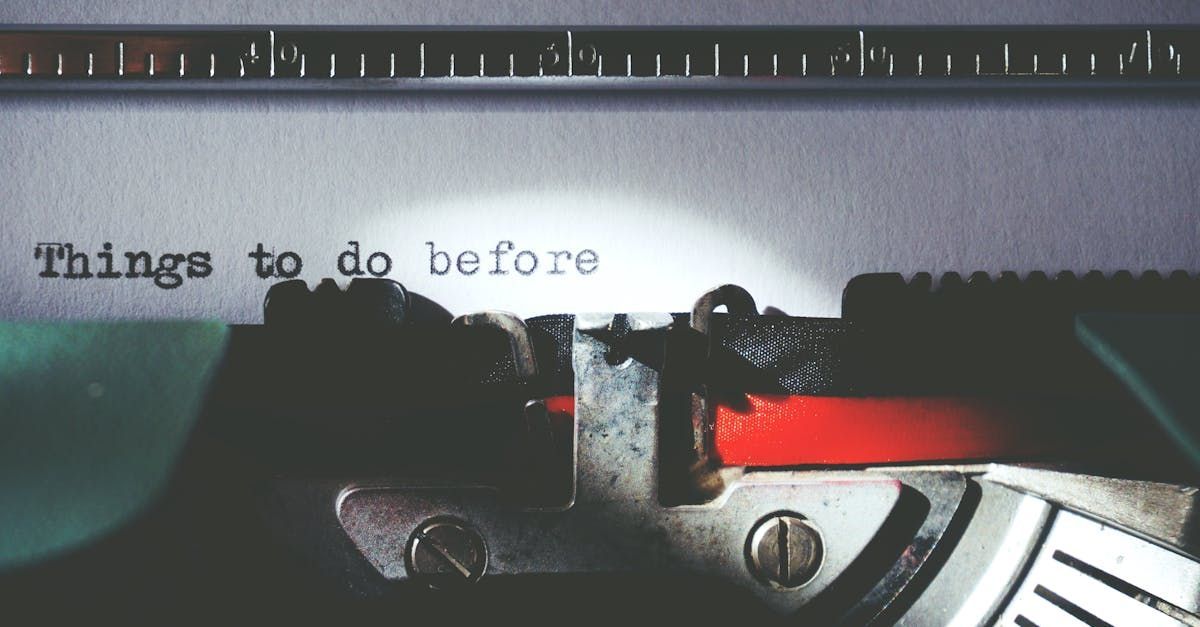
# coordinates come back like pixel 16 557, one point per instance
pixel 787 195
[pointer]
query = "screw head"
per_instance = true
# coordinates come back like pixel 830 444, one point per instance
pixel 445 552
pixel 784 551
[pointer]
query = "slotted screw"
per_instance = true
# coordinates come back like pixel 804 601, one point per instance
pixel 784 551
pixel 446 552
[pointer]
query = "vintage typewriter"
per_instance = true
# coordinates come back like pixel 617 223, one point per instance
pixel 982 449
pixel 995 449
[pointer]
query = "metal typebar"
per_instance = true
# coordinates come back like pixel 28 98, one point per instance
pixel 125 57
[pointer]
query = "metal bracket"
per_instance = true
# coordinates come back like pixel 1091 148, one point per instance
pixel 706 478
pixel 616 523
pixel 513 327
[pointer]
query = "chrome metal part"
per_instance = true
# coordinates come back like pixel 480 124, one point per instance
pixel 985 563
pixel 1037 559
pixel 708 480
pixel 446 551
pixel 784 550
pixel 935 545
pixel 734 297
pixel 616 523
pixel 933 502
pixel 1164 512
pixel 539 437
pixel 1088 573
pixel 124 57
pixel 524 357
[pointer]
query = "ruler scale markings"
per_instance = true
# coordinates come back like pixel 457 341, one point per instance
pixel 570 55
pixel 1050 50
pixel 1149 55
pixel 862 54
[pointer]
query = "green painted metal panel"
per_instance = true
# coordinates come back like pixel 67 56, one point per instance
pixel 93 418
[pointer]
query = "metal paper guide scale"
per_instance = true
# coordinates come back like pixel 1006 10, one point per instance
pixel 728 58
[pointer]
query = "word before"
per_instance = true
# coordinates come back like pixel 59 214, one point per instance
pixel 525 262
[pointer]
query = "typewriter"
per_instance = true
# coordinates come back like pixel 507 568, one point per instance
pixel 990 448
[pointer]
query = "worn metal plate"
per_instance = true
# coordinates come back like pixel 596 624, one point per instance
pixel 616 523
